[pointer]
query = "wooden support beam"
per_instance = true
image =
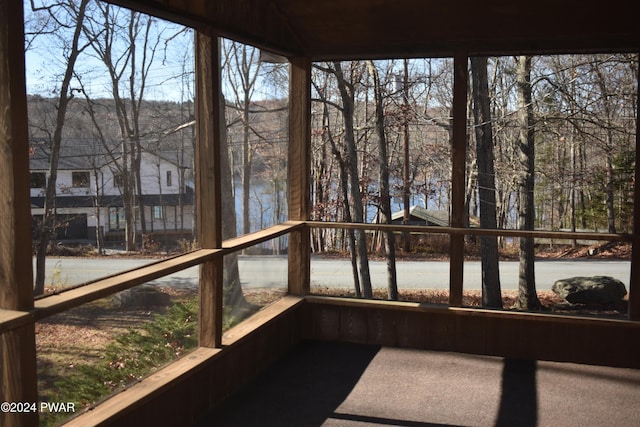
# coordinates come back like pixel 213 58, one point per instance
pixel 209 128
pixel 458 167
pixel 299 174
pixel 17 348
pixel 634 280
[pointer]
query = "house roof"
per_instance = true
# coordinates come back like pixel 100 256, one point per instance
pixel 349 29
pixel 430 216
pixel 76 154
pixel 438 217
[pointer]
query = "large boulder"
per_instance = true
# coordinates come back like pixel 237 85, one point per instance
pixel 590 290
pixel 141 296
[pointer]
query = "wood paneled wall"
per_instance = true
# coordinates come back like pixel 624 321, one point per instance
pixel 497 333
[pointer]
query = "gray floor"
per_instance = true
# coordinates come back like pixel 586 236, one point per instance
pixel 339 384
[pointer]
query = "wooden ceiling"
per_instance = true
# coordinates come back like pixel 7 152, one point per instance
pixel 350 29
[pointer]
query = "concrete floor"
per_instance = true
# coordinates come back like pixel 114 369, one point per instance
pixel 341 384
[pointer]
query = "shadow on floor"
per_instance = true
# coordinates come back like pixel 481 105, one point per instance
pixel 302 389
pixel 334 384
pixel 519 394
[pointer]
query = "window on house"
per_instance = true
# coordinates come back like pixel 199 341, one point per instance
pixel 80 179
pixel 38 180
pixel 117 180
pixel 169 179
pixel 158 212
pixel 117 220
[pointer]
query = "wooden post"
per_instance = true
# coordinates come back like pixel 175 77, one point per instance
pixel 209 125
pixel 634 280
pixel 299 174
pixel 458 167
pixel 17 348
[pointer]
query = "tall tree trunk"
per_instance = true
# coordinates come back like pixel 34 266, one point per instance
pixel 344 186
pixel 233 296
pixel 385 197
pixel 346 94
pixel 98 209
pixel 491 293
pixel 246 168
pixel 527 295
pixel 139 188
pixel 406 191
pixel 128 197
pixel 609 148
pixel 48 220
pixel 610 187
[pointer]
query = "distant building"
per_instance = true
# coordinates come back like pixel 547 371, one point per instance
pixel 431 217
pixel 89 194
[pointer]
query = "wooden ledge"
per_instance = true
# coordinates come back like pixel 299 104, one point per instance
pixel 261 318
pixel 475 231
pixel 145 389
pixel 12 319
pixel 65 300
pixel 464 311
pixel 252 239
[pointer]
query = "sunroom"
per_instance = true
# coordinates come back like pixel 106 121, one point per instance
pixel 322 36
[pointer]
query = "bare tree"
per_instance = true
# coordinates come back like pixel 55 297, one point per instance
pixel 491 293
pixel 385 197
pixel 344 178
pixel 527 295
pixel 242 67
pixel 347 94
pixel 64 15
pixel 126 42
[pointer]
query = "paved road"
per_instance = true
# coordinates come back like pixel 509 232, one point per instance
pixel 271 272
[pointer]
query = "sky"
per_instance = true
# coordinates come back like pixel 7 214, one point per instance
pixel 44 61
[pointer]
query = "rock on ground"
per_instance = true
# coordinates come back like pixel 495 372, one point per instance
pixel 590 290
pixel 141 296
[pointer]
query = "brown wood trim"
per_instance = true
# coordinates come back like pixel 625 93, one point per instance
pixel 634 282
pixel 17 346
pixel 299 139
pixel 458 183
pixel 54 304
pixel 299 173
pixel 210 129
pixel 462 311
pixel 261 318
pixel 12 319
pixel 473 231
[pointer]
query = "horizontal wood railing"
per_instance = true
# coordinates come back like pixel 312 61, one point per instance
pixel 472 231
pixel 457 250
pixel 243 242
pixel 101 288
pixel 90 291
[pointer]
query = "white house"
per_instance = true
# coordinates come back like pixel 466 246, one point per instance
pixel 89 193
